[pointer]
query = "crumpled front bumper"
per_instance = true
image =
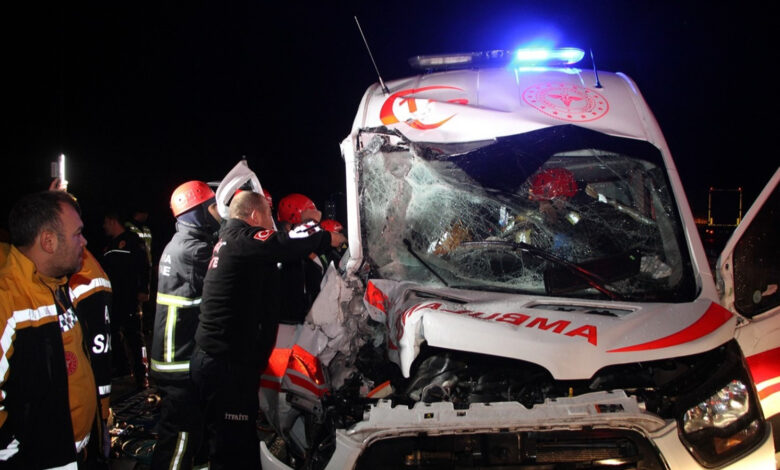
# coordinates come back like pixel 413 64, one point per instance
pixel 604 410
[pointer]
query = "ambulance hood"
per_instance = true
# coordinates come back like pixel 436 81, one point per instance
pixel 572 339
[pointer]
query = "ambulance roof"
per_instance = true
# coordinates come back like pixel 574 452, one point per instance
pixel 481 104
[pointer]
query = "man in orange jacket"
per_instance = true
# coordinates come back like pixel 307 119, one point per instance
pixel 49 410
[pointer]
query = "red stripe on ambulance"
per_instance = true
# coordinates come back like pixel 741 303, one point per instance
pixel 713 318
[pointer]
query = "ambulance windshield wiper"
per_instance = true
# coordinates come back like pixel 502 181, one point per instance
pixel 411 251
pixel 592 279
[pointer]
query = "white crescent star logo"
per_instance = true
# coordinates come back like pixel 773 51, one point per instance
pixel 263 235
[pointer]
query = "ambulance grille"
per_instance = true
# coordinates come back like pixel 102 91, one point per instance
pixel 559 450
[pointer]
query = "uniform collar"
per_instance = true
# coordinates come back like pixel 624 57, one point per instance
pixel 240 223
pixel 198 233
pixel 29 271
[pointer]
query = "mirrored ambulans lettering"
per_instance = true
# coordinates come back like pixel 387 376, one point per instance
pixel 415 113
pixel 400 321
pixel 589 332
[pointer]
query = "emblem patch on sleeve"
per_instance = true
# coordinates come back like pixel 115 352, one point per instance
pixel 263 235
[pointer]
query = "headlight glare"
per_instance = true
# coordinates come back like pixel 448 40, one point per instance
pixel 720 410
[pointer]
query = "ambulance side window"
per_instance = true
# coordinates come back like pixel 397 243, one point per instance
pixel 757 262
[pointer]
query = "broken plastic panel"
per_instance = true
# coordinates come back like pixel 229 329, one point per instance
pixel 426 210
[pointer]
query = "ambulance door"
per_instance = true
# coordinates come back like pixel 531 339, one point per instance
pixel 749 281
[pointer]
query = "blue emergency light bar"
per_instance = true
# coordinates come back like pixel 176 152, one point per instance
pixel 563 56
pixel 498 58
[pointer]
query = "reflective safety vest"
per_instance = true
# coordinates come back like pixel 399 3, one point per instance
pixel 48 395
pixel 181 271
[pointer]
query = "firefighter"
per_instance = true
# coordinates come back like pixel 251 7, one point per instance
pixel 49 408
pixel 125 262
pixel 182 268
pixel 569 215
pixel 334 255
pixel 137 225
pixel 238 324
pixel 300 277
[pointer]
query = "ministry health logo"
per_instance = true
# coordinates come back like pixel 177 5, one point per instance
pixel 566 102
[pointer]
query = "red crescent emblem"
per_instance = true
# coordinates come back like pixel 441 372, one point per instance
pixel 263 235
pixel 388 117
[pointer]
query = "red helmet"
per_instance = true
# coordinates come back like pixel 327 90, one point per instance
pixel 189 195
pixel 291 206
pixel 553 183
pixel 332 225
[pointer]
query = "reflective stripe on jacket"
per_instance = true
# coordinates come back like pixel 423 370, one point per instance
pixel 36 428
pixel 180 276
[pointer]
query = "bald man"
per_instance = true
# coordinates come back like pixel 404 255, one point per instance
pixel 238 322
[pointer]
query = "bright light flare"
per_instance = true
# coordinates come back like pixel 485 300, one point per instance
pixel 562 56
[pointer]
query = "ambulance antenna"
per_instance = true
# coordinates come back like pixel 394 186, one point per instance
pixel 381 82
pixel 595 71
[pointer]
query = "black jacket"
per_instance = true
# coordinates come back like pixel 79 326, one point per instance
pixel 91 296
pixel 124 260
pixel 182 268
pixel 241 292
pixel 300 286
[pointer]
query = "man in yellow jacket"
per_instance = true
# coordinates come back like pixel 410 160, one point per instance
pixel 49 410
pixel 90 292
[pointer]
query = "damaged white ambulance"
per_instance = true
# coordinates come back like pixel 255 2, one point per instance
pixel 525 289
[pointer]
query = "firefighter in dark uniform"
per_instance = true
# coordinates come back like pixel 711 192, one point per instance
pixel 182 268
pixel 138 225
pixel 300 277
pixel 238 323
pixel 334 255
pixel 125 262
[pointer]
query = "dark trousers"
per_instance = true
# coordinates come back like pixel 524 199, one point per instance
pixel 228 394
pixel 181 427
pixel 127 339
pixel 91 457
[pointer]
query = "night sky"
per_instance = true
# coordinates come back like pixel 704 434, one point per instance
pixel 142 97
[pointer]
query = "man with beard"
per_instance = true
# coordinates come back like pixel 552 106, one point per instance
pixel 49 409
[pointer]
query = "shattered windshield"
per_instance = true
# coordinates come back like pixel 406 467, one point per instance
pixel 559 211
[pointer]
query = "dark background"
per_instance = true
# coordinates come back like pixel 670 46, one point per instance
pixel 144 96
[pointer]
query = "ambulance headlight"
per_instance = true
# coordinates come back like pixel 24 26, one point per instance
pixel 720 410
pixel 722 420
